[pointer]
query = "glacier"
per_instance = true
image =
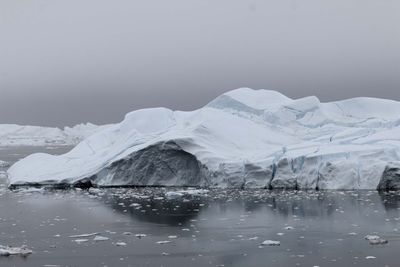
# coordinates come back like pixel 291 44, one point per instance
pixel 244 138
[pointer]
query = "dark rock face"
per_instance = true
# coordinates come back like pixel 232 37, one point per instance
pixel 83 184
pixel 162 164
pixel 390 179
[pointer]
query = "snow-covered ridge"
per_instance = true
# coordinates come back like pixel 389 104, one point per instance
pixel 243 138
pixel 19 135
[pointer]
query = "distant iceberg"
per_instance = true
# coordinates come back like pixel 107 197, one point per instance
pixel 21 135
pixel 244 138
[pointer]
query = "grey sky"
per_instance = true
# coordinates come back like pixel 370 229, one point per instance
pixel 68 61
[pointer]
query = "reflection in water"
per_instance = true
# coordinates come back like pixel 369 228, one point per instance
pixel 151 206
pixel 216 227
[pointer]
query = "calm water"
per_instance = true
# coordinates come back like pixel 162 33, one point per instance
pixel 215 228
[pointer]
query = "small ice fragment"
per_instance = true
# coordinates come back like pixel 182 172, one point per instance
pixel 370 257
pixel 127 233
pixel 120 244
pixel 172 237
pixel 80 241
pixel 100 238
pixel 371 237
pixel 163 242
pixel 140 235
pixel 173 195
pixel 271 243
pixel 9 251
pixel 380 241
pixel 376 240
pixel 83 235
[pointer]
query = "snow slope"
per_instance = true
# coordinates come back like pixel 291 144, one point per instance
pixel 18 135
pixel 243 138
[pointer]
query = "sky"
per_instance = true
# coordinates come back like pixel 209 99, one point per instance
pixel 64 62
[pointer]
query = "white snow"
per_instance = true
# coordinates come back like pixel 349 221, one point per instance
pixel 19 135
pixel 258 138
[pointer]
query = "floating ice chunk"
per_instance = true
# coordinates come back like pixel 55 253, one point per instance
pixel 370 257
pixel 100 238
pixel 127 233
pixel 120 244
pixel 172 237
pixel 376 240
pixel 10 251
pixel 83 235
pixel 163 242
pixel 80 241
pixel 372 237
pixel 140 235
pixel 173 195
pixel 271 243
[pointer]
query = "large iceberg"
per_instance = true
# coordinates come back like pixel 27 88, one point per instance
pixel 244 138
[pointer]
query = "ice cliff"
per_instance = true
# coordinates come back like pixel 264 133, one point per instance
pixel 243 138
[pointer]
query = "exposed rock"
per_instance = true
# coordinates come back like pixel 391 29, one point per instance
pixel 390 179
pixel 162 164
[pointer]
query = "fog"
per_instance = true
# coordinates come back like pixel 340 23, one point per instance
pixel 66 62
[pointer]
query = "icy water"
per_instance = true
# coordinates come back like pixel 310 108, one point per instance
pixel 181 227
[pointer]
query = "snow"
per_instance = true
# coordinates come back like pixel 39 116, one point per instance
pixel 243 138
pixel 19 135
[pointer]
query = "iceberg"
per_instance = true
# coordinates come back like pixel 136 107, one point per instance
pixel 25 135
pixel 244 138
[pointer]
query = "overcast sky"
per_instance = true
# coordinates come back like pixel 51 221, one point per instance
pixel 68 61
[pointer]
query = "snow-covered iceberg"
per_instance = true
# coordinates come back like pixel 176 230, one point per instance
pixel 22 135
pixel 243 138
